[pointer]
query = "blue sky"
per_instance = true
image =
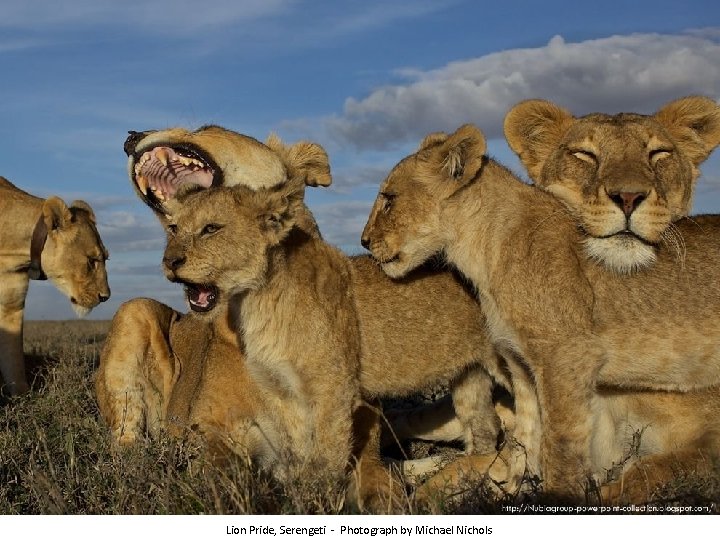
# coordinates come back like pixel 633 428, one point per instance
pixel 366 79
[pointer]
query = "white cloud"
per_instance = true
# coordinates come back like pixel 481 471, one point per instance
pixel 162 16
pixel 636 73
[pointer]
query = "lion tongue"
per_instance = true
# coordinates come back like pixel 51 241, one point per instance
pixel 201 298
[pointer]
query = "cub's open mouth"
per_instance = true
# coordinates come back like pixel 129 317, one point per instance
pixel 158 172
pixel 202 298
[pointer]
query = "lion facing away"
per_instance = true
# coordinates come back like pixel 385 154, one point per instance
pixel 625 177
pixel 564 323
pixel 44 239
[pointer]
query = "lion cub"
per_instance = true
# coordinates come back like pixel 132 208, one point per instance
pixel 563 322
pixel 290 301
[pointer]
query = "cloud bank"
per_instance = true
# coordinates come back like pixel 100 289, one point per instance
pixel 636 73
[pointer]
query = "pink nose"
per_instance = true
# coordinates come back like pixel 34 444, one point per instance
pixel 627 201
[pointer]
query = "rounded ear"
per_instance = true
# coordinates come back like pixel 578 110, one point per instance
pixel 694 123
pixel 463 153
pixel 82 205
pixel 304 159
pixel 533 130
pixel 432 139
pixel 280 208
pixel 56 213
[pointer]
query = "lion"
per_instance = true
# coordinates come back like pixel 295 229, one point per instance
pixel 625 177
pixel 563 323
pixel 44 239
pixel 290 300
pixel 163 370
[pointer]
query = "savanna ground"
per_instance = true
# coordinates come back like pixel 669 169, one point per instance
pixel 56 458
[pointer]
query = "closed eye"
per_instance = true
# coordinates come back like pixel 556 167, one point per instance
pixel 658 154
pixel 584 155
pixel 172 229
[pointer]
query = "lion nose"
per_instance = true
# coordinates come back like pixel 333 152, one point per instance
pixel 103 297
pixel 627 201
pixel 365 242
pixel 173 262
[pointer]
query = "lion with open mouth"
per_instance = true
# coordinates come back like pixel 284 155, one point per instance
pixel 163 370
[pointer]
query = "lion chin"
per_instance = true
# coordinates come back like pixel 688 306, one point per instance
pixel 621 253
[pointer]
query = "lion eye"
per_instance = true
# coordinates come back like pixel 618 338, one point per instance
pixel 658 154
pixel 92 264
pixel 585 155
pixel 210 228
pixel 388 200
pixel 172 229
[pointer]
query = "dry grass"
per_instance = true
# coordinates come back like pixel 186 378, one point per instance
pixel 55 456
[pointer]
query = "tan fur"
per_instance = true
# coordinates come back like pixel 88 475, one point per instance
pixel 415 332
pixel 619 174
pixel 563 323
pixel 73 259
pixel 290 301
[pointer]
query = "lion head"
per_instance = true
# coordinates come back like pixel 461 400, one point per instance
pixel 220 240
pixel 160 162
pixel 404 228
pixel 626 177
pixel 73 255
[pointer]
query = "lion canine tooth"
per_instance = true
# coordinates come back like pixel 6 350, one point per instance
pixel 142 183
pixel 162 155
pixel 158 193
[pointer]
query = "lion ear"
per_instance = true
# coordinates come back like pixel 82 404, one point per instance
pixel 463 153
pixel 533 129
pixel 432 139
pixel 282 209
pixel 694 123
pixel 85 207
pixel 56 213
pixel 304 159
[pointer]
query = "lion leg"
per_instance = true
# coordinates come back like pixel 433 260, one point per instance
pixel 435 421
pixel 638 484
pixel 137 370
pixel 473 404
pixel 469 415
pixel 13 291
pixel 373 486
pixel 467 472
pixel 565 381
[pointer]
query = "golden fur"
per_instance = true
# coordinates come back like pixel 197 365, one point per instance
pixel 162 369
pixel 562 322
pixel 291 303
pixel 73 259
pixel 625 177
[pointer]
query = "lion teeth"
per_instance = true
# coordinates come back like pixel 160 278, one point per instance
pixel 142 183
pixel 158 194
pixel 162 155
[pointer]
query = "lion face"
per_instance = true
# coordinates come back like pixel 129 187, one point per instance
pixel 160 162
pixel 405 225
pixel 219 240
pixel 74 256
pixel 625 177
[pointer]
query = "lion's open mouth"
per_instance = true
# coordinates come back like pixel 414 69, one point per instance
pixel 202 298
pixel 160 171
